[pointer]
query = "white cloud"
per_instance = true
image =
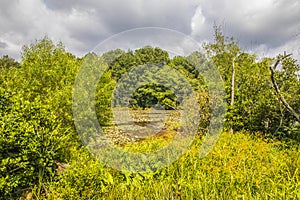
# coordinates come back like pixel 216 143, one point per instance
pixel 81 25
pixel 256 23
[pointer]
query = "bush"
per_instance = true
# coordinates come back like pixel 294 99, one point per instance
pixel 32 141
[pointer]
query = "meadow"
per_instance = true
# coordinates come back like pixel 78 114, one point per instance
pixel 240 166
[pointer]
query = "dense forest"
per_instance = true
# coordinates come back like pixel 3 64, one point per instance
pixel 257 156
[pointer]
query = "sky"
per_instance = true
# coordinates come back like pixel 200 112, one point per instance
pixel 263 27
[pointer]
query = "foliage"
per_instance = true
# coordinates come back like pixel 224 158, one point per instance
pixel 7 63
pixel 32 141
pixel 48 71
pixel 36 128
pixel 256 107
pixel 287 79
pixel 240 166
pixel 37 131
pixel 151 60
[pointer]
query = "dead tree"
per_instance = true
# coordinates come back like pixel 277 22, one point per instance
pixel 276 88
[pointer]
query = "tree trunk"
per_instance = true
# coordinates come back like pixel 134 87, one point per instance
pixel 282 99
pixel 232 89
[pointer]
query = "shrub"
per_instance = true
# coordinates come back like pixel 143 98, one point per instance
pixel 31 142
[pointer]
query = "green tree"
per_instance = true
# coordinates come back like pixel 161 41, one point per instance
pixel 150 55
pixel 37 129
pixel 261 96
pixel 225 53
pixel 286 83
pixel 7 63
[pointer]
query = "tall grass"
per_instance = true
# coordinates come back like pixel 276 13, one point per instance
pixel 239 167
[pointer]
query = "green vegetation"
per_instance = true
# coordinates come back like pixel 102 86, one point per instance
pixel 257 156
pixel 240 166
pixel 36 120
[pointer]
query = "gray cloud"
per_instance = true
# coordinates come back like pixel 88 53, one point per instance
pixel 3 45
pixel 120 15
pixel 256 23
pixel 80 25
pixel 269 25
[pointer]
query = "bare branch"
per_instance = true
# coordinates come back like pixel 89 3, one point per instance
pixel 277 90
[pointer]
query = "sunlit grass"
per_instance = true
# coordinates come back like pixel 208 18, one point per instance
pixel 152 143
pixel 170 125
pixel 239 167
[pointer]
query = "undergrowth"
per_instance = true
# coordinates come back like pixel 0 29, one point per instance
pixel 238 167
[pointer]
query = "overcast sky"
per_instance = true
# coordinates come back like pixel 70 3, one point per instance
pixel 265 27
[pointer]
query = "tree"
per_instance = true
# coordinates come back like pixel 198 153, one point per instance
pixel 225 53
pixel 284 76
pixel 7 63
pixel 151 60
pixel 261 96
pixel 289 72
pixel 36 124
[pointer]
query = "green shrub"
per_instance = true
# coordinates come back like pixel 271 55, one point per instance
pixel 32 141
pixel 84 179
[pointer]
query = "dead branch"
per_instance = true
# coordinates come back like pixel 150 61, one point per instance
pixel 277 90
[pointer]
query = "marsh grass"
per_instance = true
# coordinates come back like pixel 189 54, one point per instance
pixel 134 140
pixel 239 167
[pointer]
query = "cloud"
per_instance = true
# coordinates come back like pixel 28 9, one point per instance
pixel 3 45
pixel 81 25
pixel 120 15
pixel 174 42
pixel 269 23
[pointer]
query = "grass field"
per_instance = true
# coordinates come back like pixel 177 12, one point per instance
pixel 240 166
